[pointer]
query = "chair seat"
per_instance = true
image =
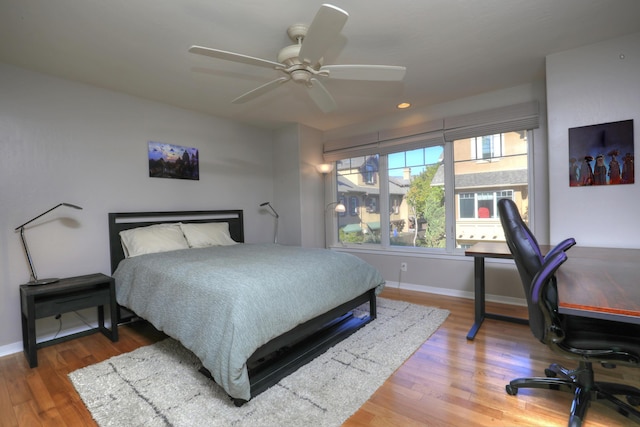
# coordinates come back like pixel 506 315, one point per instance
pixel 598 334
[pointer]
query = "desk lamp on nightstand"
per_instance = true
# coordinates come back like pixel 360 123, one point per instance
pixel 33 280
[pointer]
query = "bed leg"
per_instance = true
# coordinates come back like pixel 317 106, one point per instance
pixel 373 310
pixel 239 402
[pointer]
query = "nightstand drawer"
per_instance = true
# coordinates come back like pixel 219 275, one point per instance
pixel 50 306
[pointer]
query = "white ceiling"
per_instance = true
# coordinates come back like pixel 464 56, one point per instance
pixel 451 48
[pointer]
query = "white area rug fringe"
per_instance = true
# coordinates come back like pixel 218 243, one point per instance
pixel 159 385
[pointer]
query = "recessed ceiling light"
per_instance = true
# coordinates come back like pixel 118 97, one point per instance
pixel 403 105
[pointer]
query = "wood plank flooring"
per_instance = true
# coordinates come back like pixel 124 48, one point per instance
pixel 449 381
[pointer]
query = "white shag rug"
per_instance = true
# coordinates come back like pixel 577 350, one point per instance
pixel 159 385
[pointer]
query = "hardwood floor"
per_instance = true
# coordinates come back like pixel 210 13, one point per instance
pixel 449 381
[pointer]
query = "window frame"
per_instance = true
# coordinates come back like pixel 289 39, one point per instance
pixel 451 210
pixel 523 117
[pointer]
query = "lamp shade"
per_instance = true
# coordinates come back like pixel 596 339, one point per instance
pixel 325 167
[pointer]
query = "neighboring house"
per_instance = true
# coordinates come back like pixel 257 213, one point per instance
pixel 359 192
pixel 487 169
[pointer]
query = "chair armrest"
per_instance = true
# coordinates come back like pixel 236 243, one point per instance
pixel 563 246
pixel 546 272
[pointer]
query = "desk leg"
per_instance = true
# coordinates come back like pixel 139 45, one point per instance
pixel 478 289
pixel 29 334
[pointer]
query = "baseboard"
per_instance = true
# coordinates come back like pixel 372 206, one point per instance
pixel 455 293
pixel 17 347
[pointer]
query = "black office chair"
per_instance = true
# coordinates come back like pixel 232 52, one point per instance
pixel 586 340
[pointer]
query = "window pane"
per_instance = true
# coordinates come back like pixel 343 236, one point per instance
pixel 467 205
pixel 416 198
pixel 358 183
pixel 487 169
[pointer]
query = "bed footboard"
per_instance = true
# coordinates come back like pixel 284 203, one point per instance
pixel 288 352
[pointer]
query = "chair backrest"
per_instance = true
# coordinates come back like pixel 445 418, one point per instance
pixel 528 258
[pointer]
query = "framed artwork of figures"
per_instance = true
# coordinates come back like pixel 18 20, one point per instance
pixel 601 154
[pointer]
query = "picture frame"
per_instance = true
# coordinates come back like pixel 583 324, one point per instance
pixel 610 146
pixel 173 161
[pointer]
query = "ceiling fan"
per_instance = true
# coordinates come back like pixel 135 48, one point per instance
pixel 302 61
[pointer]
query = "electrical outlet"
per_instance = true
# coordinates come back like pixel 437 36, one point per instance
pixel 403 266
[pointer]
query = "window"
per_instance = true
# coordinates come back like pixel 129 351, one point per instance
pixel 480 184
pixel 357 180
pixel 488 147
pixel 419 218
pixel 481 205
pixel 436 185
pixel 353 206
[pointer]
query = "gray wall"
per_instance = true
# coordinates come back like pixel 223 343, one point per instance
pixel 66 142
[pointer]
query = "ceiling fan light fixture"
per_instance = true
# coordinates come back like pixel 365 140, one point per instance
pixel 403 105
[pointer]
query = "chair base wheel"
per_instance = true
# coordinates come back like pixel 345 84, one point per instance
pixel 550 373
pixel 512 391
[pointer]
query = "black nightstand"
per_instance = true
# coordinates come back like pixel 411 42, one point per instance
pixel 71 294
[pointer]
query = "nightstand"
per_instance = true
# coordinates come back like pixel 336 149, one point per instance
pixel 70 294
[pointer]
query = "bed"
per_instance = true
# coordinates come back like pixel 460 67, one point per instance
pixel 252 313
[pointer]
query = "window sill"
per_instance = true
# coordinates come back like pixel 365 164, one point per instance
pixel 457 255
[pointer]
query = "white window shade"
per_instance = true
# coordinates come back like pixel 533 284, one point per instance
pixel 360 145
pixel 490 122
pixel 512 118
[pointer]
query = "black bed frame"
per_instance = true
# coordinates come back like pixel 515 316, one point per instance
pixel 284 354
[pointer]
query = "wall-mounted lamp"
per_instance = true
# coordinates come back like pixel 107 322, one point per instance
pixel 33 280
pixel 275 214
pixel 337 208
pixel 325 168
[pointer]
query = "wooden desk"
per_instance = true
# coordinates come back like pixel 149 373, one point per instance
pixel 603 283
pixel 479 252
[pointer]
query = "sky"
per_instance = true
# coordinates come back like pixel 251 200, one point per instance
pixel 168 152
pixel 415 159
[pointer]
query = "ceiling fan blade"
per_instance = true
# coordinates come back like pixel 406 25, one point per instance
pixel 235 57
pixel 321 96
pixel 388 73
pixel 323 30
pixel 260 90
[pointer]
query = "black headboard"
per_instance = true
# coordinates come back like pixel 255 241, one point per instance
pixel 126 220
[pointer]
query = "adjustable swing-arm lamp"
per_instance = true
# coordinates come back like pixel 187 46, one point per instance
pixel 275 233
pixel 33 280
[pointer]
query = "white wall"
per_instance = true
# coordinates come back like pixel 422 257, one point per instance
pixel 286 160
pixel 298 185
pixel 66 142
pixel 312 206
pixel 588 86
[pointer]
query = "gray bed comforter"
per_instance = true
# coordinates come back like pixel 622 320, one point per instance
pixel 225 302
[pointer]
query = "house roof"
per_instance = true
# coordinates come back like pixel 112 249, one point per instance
pixel 493 179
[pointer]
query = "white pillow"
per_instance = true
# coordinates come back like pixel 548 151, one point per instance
pixel 207 234
pixel 152 239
